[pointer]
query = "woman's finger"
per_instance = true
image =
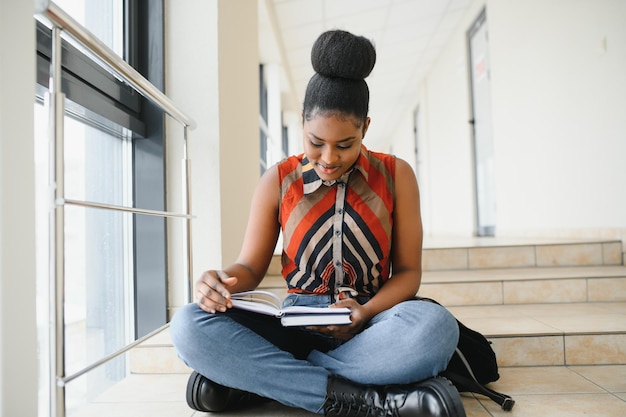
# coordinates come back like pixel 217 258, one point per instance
pixel 211 292
pixel 222 277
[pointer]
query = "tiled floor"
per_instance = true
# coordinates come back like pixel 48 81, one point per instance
pixel 548 320
pixel 557 391
pixel 546 336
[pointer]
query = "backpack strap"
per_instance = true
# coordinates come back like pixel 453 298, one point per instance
pixel 469 383
pixel 461 373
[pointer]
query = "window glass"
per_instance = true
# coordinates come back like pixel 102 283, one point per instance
pixel 98 243
pixel 98 252
pixel 103 18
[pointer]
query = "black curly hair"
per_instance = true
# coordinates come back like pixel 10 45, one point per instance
pixel 341 61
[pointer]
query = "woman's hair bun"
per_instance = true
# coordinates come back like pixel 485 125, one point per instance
pixel 337 53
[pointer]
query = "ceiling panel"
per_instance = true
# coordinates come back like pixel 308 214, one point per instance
pixel 408 35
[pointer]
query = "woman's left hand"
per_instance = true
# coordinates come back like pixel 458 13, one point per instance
pixel 348 331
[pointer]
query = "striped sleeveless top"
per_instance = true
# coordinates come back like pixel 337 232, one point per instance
pixel 337 234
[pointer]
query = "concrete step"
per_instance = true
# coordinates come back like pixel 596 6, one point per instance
pixel 551 334
pixel 522 335
pixel 486 253
pixel 525 285
pixel 512 285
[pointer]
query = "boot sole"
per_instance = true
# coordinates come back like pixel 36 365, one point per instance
pixel 193 388
pixel 448 393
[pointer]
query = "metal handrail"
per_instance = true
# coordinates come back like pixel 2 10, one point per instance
pixel 132 210
pixel 61 21
pixel 59 18
pixel 113 355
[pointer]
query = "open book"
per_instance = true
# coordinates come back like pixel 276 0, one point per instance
pixel 265 302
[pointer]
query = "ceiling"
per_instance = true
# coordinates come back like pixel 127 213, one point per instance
pixel 408 36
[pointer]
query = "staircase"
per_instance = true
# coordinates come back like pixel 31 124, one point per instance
pixel 551 303
pixel 541 303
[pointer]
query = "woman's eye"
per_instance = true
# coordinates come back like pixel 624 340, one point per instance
pixel 317 145
pixel 344 146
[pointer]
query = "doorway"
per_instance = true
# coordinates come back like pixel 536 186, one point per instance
pixel 482 135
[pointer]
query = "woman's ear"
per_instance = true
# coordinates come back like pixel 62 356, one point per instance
pixel 366 125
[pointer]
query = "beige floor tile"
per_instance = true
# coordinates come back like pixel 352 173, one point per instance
pixel 512 326
pixel 571 405
pixel 586 324
pixel 529 351
pixel 560 309
pixel 473 407
pixel 607 289
pixel 543 380
pixel 437 259
pixel 595 349
pixel 610 377
pixel 618 307
pixel 147 388
pixel 143 409
pixel 538 391
pixel 478 293
pixel 502 257
pixel 612 253
pixel 156 359
pixel 500 311
pixel 545 291
pixel 561 255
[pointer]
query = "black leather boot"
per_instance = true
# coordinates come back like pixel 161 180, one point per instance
pixel 206 395
pixel 434 397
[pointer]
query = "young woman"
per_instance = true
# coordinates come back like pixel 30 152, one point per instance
pixel 352 237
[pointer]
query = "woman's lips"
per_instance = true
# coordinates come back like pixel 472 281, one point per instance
pixel 327 169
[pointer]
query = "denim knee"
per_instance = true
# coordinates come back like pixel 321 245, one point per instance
pixel 185 327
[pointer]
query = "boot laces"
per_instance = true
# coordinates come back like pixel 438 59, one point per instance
pixel 351 405
pixel 393 406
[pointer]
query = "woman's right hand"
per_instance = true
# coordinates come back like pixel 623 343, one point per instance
pixel 212 294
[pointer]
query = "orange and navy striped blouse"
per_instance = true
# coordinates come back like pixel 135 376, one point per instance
pixel 337 234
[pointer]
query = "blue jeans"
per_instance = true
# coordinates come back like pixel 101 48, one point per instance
pixel 411 341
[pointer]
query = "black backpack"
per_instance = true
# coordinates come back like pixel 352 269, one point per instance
pixel 473 365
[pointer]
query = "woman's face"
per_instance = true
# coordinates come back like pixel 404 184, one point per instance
pixel 332 143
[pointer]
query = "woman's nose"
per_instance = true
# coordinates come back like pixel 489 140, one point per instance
pixel 329 156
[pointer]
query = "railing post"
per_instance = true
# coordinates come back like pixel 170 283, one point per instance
pixel 187 210
pixel 56 109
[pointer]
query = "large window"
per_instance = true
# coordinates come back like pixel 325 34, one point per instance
pixel 274 138
pixel 115 262
pixel 98 252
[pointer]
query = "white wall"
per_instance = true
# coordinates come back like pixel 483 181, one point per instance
pixel 445 168
pixel 212 75
pixel 559 106
pixel 18 332
pixel 558 97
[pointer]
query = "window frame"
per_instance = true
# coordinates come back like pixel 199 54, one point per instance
pixel 101 99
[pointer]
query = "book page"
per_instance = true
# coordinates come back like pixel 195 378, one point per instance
pixel 315 319
pixel 259 301
pixel 268 303
pixel 259 296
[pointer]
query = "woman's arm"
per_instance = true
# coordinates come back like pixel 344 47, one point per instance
pixel 407 234
pixel 213 289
